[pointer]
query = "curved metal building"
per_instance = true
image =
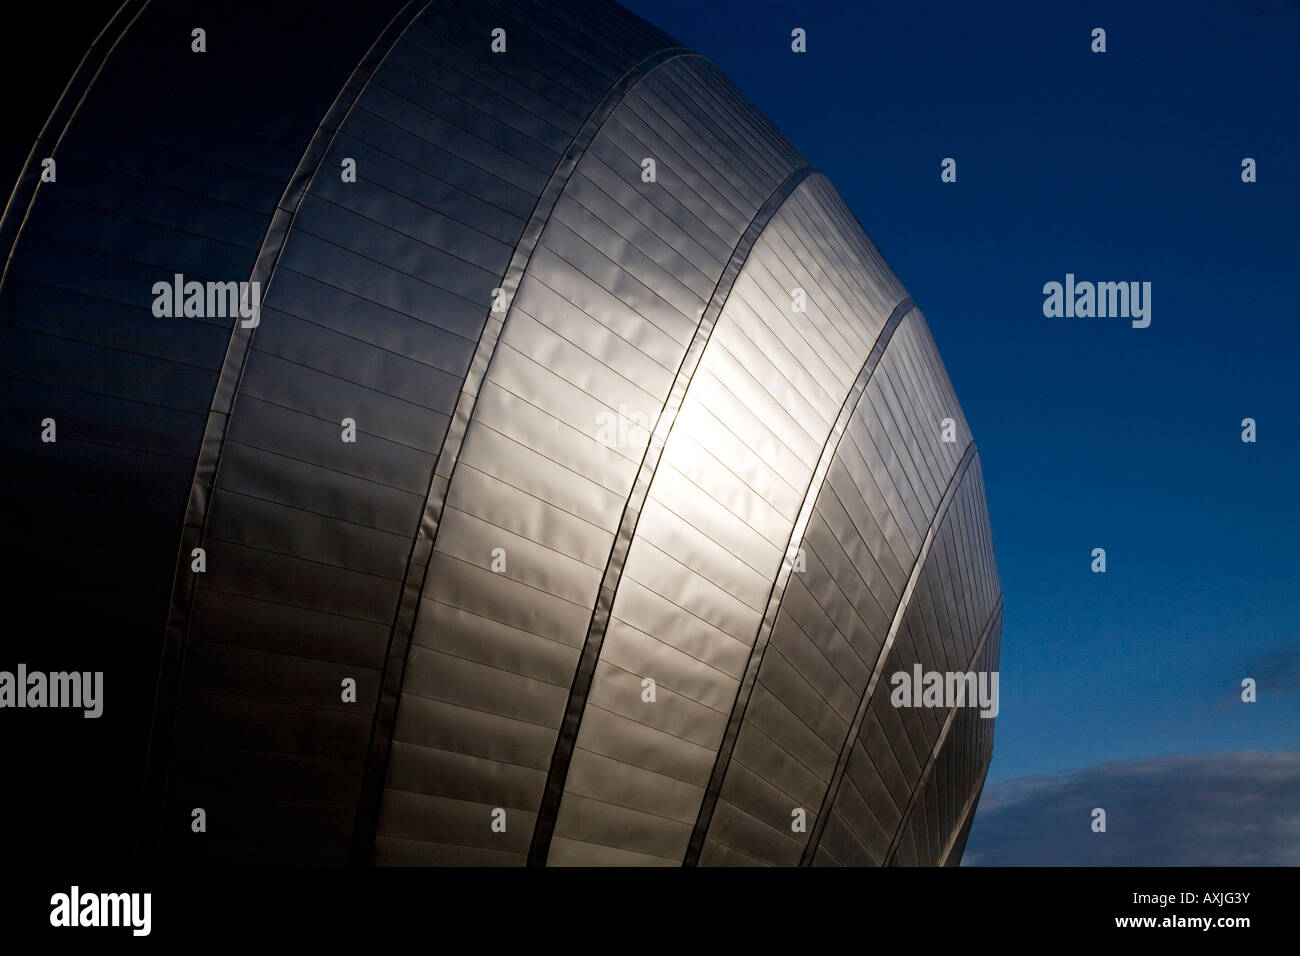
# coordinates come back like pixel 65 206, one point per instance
pixel 655 476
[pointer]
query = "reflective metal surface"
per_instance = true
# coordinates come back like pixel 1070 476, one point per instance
pixel 610 429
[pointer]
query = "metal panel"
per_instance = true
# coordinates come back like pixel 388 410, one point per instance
pixel 154 178
pixel 948 784
pixel 950 624
pixel 600 323
pixel 718 521
pixel 386 294
pixel 836 614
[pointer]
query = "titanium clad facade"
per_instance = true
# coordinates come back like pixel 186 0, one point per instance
pixel 633 399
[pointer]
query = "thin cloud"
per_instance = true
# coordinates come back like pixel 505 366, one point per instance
pixel 1234 809
pixel 1276 670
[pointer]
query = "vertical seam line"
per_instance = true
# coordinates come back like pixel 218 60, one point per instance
pixel 904 601
pixel 423 547
pixel 26 176
pixel 830 448
pixel 208 463
pixel 598 626
pixel 938 744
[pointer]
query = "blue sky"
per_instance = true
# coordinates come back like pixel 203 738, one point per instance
pixel 1123 166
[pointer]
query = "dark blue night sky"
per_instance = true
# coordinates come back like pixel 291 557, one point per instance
pixel 1123 166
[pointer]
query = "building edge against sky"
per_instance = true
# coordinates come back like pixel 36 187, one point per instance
pixel 653 479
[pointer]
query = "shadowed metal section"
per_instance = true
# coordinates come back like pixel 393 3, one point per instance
pixel 154 179
pixel 51 135
pixel 577 702
pixel 228 383
pixel 418 564
pixel 746 688
pixel 886 796
pixel 933 831
pixel 942 740
pixel 949 494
